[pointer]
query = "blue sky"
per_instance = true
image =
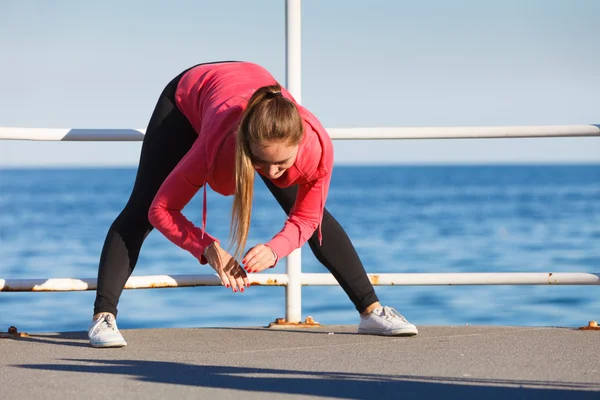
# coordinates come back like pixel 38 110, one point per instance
pixel 74 64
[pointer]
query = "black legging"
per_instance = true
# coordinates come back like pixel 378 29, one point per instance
pixel 168 138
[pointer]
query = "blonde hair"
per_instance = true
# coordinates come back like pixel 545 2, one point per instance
pixel 269 117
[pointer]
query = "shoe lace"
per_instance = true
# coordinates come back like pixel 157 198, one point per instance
pixel 106 320
pixel 391 314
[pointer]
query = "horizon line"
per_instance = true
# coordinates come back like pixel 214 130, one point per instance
pixel 341 165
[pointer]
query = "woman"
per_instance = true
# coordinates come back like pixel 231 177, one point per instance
pixel 217 124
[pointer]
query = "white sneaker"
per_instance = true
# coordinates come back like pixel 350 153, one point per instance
pixel 104 332
pixel 386 321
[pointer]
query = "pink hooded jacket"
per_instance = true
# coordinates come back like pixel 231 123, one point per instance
pixel 213 97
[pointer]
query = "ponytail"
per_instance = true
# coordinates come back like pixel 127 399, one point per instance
pixel 242 200
pixel 269 117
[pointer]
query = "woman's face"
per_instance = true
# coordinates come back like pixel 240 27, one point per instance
pixel 274 158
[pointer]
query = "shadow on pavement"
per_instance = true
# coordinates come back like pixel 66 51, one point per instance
pixel 325 384
pixel 76 339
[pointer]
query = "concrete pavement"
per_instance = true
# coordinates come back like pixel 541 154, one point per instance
pixel 325 363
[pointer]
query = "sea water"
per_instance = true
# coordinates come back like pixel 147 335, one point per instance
pixel 433 219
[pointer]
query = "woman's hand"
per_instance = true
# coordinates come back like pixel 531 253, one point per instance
pixel 259 258
pixel 228 269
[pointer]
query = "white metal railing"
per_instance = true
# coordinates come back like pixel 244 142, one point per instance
pixel 294 279
pixel 455 132
pixel 413 279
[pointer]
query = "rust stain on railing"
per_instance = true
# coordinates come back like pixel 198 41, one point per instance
pixel 269 282
pixel 153 285
pixel 8 288
pixel 48 289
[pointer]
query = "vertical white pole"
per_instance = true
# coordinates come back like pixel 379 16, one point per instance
pixel 293 49
pixel 293 8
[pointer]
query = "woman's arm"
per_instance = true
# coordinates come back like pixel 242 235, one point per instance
pixel 304 217
pixel 176 191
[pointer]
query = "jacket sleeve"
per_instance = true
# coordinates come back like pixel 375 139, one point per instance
pixel 304 218
pixel 175 192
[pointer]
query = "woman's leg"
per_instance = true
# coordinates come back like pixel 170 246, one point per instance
pixel 337 253
pixel 168 138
